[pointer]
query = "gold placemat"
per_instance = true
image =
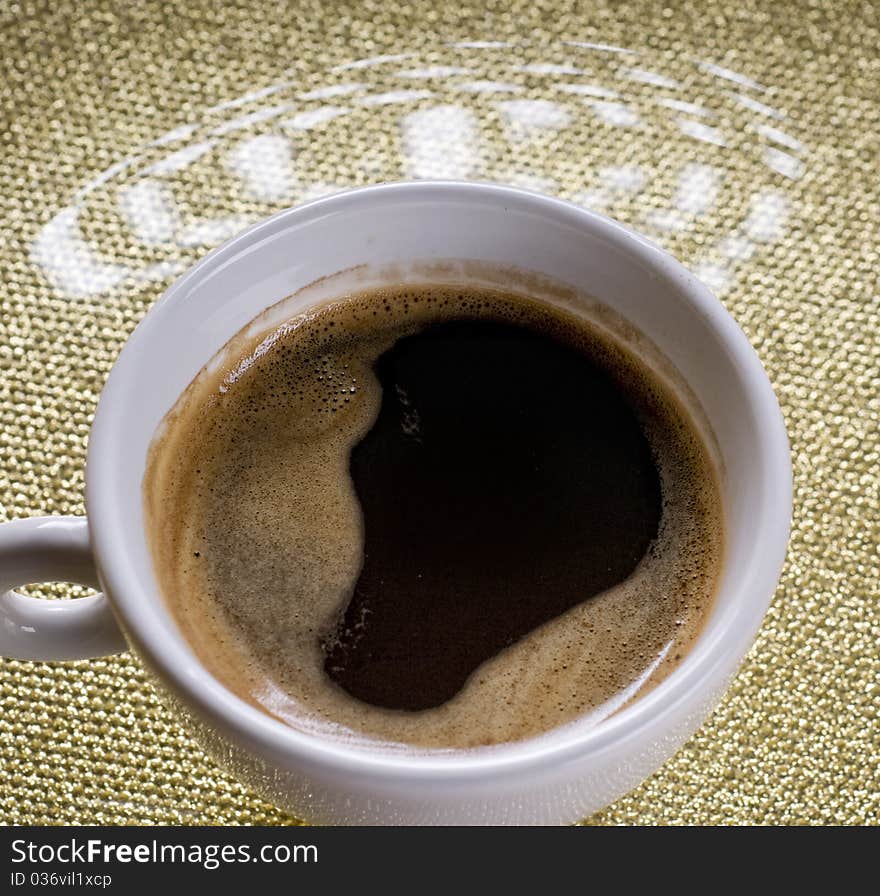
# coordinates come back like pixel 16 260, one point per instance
pixel 742 136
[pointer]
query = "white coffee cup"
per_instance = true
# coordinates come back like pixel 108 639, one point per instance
pixel 375 234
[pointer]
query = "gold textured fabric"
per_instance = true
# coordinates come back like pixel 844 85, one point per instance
pixel 742 136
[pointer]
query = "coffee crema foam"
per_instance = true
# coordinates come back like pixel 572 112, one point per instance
pixel 257 533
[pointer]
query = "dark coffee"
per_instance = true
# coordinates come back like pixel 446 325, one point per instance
pixel 506 479
pixel 435 515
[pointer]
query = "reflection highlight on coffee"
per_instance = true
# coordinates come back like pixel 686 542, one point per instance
pixel 435 516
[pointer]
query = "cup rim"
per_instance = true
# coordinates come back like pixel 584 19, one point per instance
pixel 711 658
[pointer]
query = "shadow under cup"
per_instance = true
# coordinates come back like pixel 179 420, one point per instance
pixel 448 232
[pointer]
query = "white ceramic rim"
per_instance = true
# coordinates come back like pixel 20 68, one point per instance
pixel 727 639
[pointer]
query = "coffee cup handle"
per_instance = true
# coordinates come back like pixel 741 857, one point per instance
pixel 52 549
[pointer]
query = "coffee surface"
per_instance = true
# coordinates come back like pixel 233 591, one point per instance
pixel 434 516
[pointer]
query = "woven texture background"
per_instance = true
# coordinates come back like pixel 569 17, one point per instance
pixel 741 136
